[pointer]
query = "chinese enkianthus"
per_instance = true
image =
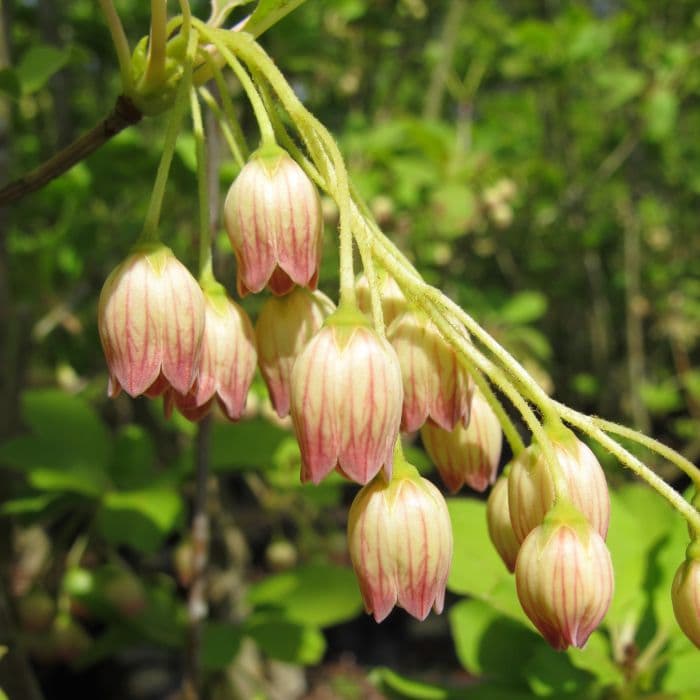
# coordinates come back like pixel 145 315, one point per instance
pixel 394 356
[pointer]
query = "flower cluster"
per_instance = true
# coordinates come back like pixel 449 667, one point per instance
pixel 351 389
pixel 548 523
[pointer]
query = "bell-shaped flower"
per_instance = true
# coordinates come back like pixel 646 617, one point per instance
pixel 151 320
pixel 227 362
pixel 393 301
pixel 499 525
pixel 400 542
pixel 285 324
pixel 346 400
pixel 467 455
pixel 564 577
pixel 685 594
pixel 435 384
pixel 274 222
pixel 531 487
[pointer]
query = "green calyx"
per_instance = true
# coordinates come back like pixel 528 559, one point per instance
pixel 155 252
pixel 270 157
pixel 153 98
pixel 692 552
pixel 344 322
pixel 215 295
pixel 564 514
pixel 560 434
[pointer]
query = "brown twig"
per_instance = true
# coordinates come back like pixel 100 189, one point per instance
pixel 124 114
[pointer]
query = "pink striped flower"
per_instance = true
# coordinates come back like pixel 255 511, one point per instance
pixel 531 488
pixel 285 324
pixel 435 385
pixel 227 362
pixel 400 541
pixel 564 577
pixel 499 525
pixel 274 222
pixel 467 455
pixel 346 400
pixel 151 320
pixel 685 594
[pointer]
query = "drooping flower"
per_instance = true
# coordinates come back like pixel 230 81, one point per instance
pixel 467 455
pixel 227 361
pixel 499 525
pixel 531 487
pixel 564 577
pixel 285 324
pixel 151 320
pixel 400 542
pixel 685 594
pixel 436 386
pixel 346 400
pixel 393 301
pixel 274 222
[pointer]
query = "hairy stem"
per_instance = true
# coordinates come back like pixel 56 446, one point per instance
pixel 150 226
pixel 155 68
pixel 206 272
pixel 267 133
pixel 121 44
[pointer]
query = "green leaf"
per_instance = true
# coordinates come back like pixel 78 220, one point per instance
pixel 664 397
pixel 407 687
pixel 285 640
pixel 620 85
pixel 315 594
pixel 29 505
pixel 550 673
pixel 38 64
pixel 596 658
pixel 477 569
pixel 133 465
pixel 220 644
pixel 660 112
pixel 453 205
pixel 9 83
pixel 396 685
pixel 245 445
pixel 681 673
pixel 524 307
pixel 69 423
pixel 221 8
pixel 483 637
pixel 140 519
pixel 269 12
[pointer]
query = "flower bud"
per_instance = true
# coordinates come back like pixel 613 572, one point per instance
pixel 284 326
pixel 393 300
pixel 564 577
pixel 499 525
pixel 467 455
pixel 531 487
pixel 435 384
pixel 151 320
pixel 685 595
pixel 400 542
pixel 346 400
pixel 227 362
pixel 273 219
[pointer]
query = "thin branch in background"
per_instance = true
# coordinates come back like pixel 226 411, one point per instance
pixel 123 115
pixel 196 600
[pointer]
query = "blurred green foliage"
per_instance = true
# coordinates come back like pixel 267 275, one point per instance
pixel 537 161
